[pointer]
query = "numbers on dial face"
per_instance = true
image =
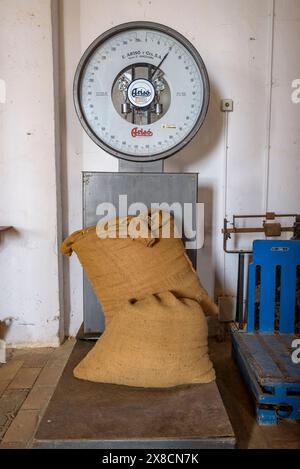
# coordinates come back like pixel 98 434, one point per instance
pixel 132 108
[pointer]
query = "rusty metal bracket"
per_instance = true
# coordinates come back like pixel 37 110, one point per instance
pixel 269 227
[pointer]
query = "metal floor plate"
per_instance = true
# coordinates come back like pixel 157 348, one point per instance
pixel 82 414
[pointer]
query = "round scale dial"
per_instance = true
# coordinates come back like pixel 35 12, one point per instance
pixel 141 91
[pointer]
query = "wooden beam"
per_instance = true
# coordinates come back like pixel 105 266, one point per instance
pixel 5 228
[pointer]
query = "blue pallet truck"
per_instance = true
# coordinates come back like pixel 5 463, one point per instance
pixel 266 344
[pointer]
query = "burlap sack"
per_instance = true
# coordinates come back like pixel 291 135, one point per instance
pixel 160 341
pixel 125 268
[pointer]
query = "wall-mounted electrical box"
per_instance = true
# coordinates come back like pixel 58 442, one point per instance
pixel 227 105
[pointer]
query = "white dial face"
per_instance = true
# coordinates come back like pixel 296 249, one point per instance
pixel 141 93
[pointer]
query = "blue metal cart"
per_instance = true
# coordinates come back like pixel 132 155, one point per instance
pixel 266 351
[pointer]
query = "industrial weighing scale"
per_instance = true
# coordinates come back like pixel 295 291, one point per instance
pixel 263 339
pixel 141 92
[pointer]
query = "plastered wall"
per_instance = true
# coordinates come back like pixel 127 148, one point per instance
pixel 29 273
pixel 248 161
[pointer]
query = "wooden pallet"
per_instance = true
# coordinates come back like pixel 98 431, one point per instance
pixel 264 351
pixel 274 380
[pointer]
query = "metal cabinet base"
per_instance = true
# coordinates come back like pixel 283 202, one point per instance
pixel 145 188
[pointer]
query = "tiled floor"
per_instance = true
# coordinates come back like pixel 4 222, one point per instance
pixel 28 380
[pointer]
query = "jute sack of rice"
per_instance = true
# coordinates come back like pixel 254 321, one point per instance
pixel 159 341
pixel 127 266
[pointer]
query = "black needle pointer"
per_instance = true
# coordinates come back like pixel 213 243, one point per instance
pixel 159 65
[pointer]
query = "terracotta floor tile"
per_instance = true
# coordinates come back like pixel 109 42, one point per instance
pixel 23 427
pixel 25 378
pixel 12 446
pixel 49 376
pixel 38 397
pixel 10 403
pixel 9 370
pixel 3 386
pixel 33 358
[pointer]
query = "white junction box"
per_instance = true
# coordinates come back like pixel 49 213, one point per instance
pixel 227 105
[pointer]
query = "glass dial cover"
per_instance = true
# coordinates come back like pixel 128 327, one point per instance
pixel 141 91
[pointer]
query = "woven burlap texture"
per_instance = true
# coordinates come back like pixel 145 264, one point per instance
pixel 157 342
pixel 127 268
pixel 153 301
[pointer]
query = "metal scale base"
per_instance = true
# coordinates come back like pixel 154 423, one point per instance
pixel 146 187
pixel 82 414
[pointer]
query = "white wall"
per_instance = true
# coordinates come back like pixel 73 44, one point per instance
pixel 251 49
pixel 29 292
pixel 284 172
